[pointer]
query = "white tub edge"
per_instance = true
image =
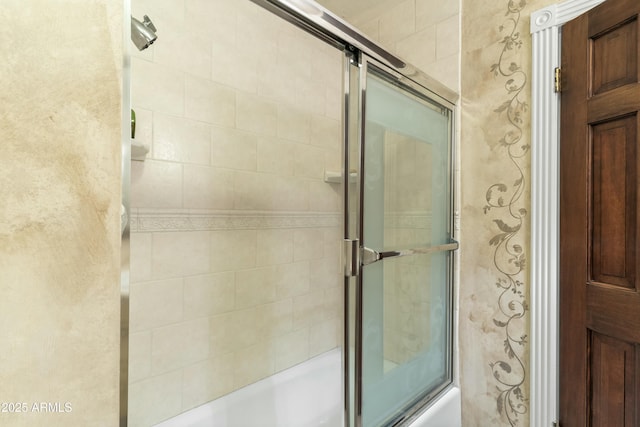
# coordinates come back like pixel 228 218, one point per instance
pixel 445 412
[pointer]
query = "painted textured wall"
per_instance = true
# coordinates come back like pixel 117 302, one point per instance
pixel 495 165
pixel 59 217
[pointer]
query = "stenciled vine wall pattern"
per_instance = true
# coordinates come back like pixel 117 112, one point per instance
pixel 506 203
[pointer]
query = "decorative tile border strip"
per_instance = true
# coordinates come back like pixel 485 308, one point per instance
pixel 420 220
pixel 154 220
pixel 173 220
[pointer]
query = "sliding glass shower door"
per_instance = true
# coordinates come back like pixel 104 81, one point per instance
pixel 236 295
pixel 402 334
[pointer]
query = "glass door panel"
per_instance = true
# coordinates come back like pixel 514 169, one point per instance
pixel 405 237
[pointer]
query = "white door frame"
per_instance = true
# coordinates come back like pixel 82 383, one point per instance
pixel 546 26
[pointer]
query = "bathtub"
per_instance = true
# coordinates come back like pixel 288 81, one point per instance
pixel 446 411
pixel 307 395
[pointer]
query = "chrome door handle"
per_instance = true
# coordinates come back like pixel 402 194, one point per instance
pixel 369 256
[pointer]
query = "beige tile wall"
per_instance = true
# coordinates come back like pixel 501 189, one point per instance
pixel 242 114
pixel 426 33
pixel 265 310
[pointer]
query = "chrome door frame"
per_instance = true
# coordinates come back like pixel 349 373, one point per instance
pixel 417 89
pixel 364 53
pixel 125 235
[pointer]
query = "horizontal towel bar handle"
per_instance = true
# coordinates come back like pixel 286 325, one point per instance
pixel 369 256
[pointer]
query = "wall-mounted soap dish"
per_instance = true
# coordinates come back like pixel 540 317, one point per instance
pixel 138 150
pixel 336 177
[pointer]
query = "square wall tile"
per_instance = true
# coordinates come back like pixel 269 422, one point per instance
pixel 326 66
pixel 177 254
pixel 155 304
pixel 233 149
pixel 333 252
pixel 276 156
pixel 209 102
pixel 334 302
pixel 233 250
pixel 332 161
pixel 324 336
pixel 267 192
pixel 140 257
pixel 309 161
pixel 290 194
pixel 448 37
pixel 333 236
pixel 308 95
pixel 272 320
pixel 274 247
pixel 156 184
pixel 155 399
pixel 188 52
pixel 308 244
pixel 252 191
pixel 157 87
pixel 291 349
pixel 325 132
pixel 255 287
pixel 211 18
pixel 325 272
pixel 293 124
pixel 139 356
pixel 446 70
pixel 275 83
pixel 207 187
pixel 255 22
pixel 176 346
pixel 324 197
pixel 371 28
pixel 181 140
pixel 333 102
pixel 419 48
pixel 398 23
pixel 209 294
pixel 256 114
pixel 308 309
pixel 253 364
pixel 295 50
pixel 430 12
pixel 207 380
pixel 233 331
pixel 234 64
pixel 292 279
pixel 258 51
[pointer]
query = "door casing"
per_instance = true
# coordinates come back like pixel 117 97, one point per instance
pixel 546 27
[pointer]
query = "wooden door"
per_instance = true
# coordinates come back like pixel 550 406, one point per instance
pixel 599 219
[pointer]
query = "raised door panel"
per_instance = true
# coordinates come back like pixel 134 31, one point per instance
pixel 614 202
pixel 614 60
pixel 614 373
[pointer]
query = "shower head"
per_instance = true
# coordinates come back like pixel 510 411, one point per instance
pixel 143 34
